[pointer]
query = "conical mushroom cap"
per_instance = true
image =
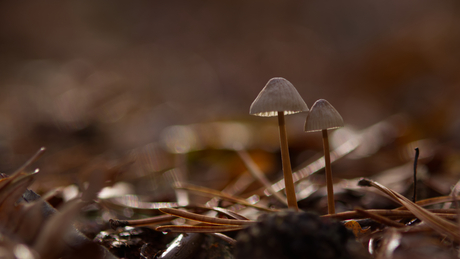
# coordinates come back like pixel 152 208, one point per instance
pixel 278 95
pixel 323 115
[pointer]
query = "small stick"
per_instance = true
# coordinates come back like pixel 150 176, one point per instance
pixel 287 170
pixel 414 198
pixel 329 184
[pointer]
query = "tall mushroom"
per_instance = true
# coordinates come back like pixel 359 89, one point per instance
pixel 278 98
pixel 324 116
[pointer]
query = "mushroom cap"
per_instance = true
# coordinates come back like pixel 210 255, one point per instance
pixel 278 95
pixel 322 116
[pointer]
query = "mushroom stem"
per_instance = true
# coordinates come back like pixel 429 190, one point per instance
pixel 330 187
pixel 287 171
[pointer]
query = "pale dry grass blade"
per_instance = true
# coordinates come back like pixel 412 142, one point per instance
pixel 257 173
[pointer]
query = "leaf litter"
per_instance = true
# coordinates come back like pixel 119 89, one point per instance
pixel 151 224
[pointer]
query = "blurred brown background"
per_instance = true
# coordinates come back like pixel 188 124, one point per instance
pixel 106 77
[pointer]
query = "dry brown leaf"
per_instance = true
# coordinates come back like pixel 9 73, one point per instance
pixel 358 231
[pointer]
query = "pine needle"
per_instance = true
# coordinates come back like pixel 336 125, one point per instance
pixel 440 225
pixel 205 219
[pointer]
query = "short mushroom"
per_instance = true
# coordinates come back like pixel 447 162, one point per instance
pixel 277 98
pixel 324 116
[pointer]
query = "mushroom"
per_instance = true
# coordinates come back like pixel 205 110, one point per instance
pixel 278 98
pixel 324 116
